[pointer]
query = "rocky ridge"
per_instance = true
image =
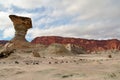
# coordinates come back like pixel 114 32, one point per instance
pixel 88 45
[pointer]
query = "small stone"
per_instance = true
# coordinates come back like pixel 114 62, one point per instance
pixel 66 61
pixel 109 56
pixel 16 62
pixel 56 62
pixel 49 62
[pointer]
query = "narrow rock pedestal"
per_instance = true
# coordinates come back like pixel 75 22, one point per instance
pixel 21 26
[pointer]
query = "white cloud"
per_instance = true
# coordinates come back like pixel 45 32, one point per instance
pixel 101 30
pixel 31 4
pixel 87 18
pixel 100 10
pixel 8 33
pixel 59 31
pixel 4 20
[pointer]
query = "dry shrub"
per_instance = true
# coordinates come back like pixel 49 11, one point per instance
pixel 35 54
pixel 109 56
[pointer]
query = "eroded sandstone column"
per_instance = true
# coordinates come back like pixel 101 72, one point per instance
pixel 21 25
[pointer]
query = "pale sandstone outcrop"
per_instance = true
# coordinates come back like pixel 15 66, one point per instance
pixel 21 26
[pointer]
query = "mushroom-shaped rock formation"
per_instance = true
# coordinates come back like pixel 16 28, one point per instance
pixel 21 26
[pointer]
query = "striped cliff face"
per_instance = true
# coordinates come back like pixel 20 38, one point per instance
pixel 88 45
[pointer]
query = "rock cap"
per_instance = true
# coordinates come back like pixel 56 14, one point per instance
pixel 18 20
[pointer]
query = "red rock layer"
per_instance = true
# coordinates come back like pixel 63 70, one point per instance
pixel 88 45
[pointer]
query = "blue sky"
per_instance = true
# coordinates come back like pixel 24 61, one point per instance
pixel 91 19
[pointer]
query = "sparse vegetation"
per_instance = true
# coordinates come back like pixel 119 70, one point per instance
pixel 109 56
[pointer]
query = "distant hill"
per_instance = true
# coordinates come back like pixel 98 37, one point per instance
pixel 88 45
pixel 3 42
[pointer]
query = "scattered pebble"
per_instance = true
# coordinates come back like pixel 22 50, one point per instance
pixel 16 62
pixel 56 62
pixel 50 63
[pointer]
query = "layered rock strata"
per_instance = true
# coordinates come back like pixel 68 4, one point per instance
pixel 21 26
pixel 88 45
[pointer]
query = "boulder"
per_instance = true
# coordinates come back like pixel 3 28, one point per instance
pixel 7 50
pixel 35 53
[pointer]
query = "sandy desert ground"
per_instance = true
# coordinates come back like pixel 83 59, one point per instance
pixel 81 67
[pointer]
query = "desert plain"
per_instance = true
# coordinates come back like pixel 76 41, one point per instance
pixel 60 59
pixel 23 66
